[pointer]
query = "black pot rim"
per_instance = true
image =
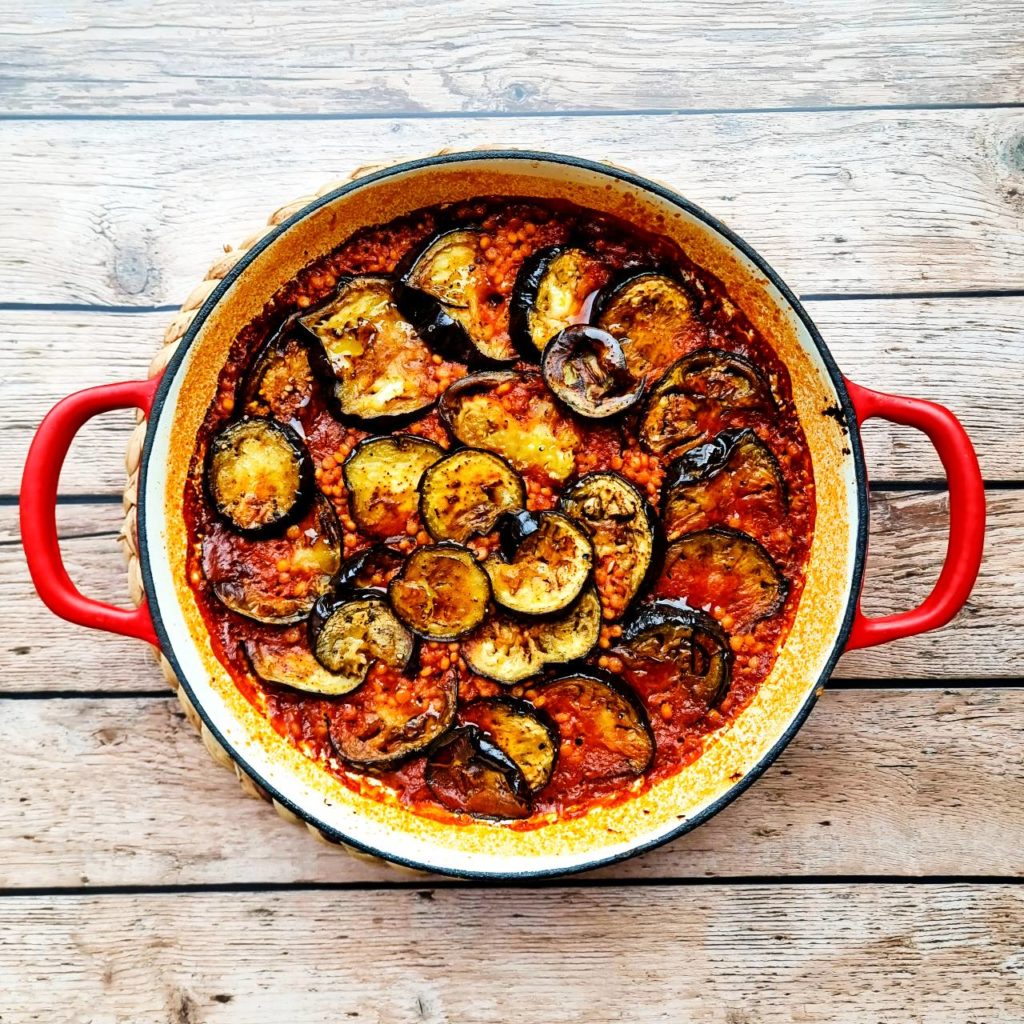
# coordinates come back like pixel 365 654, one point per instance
pixel 849 421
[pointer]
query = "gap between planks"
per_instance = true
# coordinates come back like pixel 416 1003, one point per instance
pixel 967 354
pixel 426 887
pixel 908 541
pixel 907 782
pixel 852 202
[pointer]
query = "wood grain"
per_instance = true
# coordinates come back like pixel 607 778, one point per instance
pixel 908 541
pixel 965 353
pixel 876 782
pixel 137 138
pixel 178 58
pixel 842 202
pixel 715 955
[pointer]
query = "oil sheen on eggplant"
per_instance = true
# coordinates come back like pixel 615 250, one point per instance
pixel 477 548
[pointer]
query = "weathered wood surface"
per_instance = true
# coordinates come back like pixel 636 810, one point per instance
pixel 967 353
pixel 716 955
pixel 841 202
pixel 41 652
pixel 119 120
pixel 177 58
pixel 878 782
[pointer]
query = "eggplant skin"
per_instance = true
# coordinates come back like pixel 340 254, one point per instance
pixel 243 572
pixel 468 773
pixel 521 731
pixel 293 665
pixel 548 569
pixel 509 648
pixel 734 473
pixel 445 311
pixel 369 729
pixel 693 640
pixel 450 405
pixel 280 380
pixel 514 528
pixel 434 325
pixel 604 724
pixel 530 328
pixel 357 572
pixel 623 528
pixel 442 592
pixel 240 461
pixel 650 310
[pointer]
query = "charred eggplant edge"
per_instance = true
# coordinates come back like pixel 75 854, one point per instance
pixel 425 483
pixel 379 764
pixel 438 328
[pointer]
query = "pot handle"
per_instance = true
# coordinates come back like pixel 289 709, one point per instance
pixel 966 516
pixel 38 508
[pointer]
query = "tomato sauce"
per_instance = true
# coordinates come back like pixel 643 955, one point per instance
pixel 514 228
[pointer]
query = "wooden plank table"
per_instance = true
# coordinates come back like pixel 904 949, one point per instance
pixel 874 152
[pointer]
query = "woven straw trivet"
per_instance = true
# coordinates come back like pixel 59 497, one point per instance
pixel 129 534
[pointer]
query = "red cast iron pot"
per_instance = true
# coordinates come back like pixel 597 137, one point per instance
pixel 828 619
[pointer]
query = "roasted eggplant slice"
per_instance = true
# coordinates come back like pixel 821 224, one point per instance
pixel 551 292
pixel 470 774
pixel 369 569
pixel 546 570
pixel 515 416
pixel 278 579
pixel 281 383
pixel 726 568
pixel 584 366
pixel 651 314
pixel 292 664
pixel 349 635
pixel 603 727
pixel 732 477
pixel 517 730
pixel 697 396
pixel 462 495
pixel 509 649
pixel 386 720
pixel 445 293
pixel 679 653
pixel 623 530
pixel 383 476
pixel 377 364
pixel 258 476
pixel 442 592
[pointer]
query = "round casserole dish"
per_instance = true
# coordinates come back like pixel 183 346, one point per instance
pixel 827 622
